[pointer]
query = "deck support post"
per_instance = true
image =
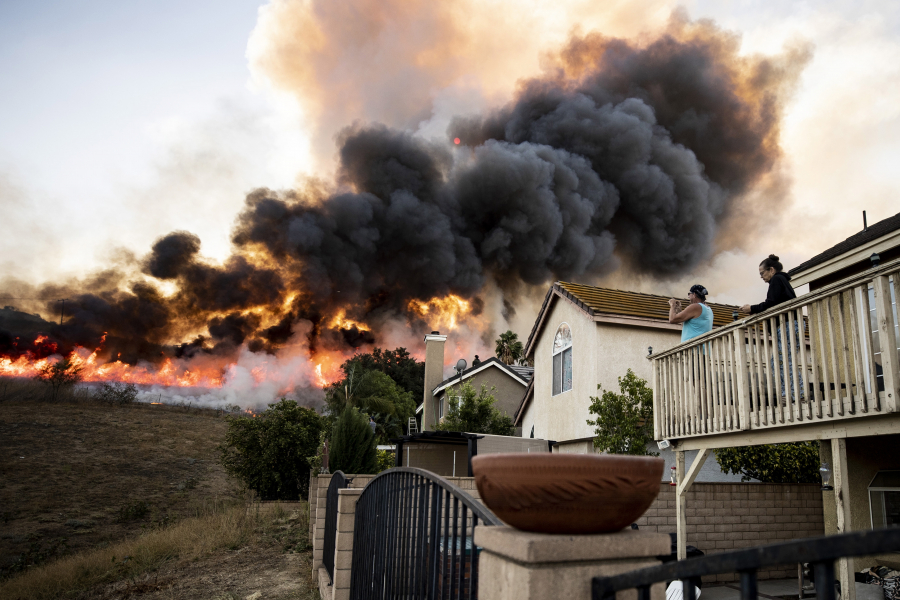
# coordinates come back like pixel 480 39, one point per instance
pixel 685 480
pixel 842 506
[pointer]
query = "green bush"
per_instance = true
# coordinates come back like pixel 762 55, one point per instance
pixel 352 447
pixel 475 413
pixel 268 453
pixel 624 423
pixel 386 460
pixel 774 463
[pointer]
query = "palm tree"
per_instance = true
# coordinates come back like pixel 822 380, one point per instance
pixel 509 348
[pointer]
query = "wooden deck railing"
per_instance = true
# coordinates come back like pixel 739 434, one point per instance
pixel 842 363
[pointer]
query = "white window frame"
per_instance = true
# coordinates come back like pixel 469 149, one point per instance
pixel 560 347
pixel 871 489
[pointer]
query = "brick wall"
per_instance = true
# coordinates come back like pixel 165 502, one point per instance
pixel 729 516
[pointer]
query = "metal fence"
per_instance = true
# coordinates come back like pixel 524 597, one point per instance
pixel 338 482
pixel 413 538
pixel 819 552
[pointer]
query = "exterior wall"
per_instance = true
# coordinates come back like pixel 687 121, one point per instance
pixel 527 420
pixel 437 458
pixel 562 417
pixel 508 394
pixel 865 457
pixel 623 347
pixel 730 516
pixel 601 353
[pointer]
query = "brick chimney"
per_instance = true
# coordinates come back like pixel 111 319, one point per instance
pixel 434 374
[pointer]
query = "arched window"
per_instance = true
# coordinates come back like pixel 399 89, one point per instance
pixel 562 360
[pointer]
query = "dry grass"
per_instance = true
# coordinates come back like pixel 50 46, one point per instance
pixel 125 566
pixel 82 482
pixel 75 475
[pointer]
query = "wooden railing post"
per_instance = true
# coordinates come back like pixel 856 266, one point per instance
pixel 657 400
pixel 889 362
pixel 741 371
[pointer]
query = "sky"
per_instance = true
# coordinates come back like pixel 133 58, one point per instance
pixel 120 122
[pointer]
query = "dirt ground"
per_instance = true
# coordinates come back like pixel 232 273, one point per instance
pixel 258 572
pixel 77 476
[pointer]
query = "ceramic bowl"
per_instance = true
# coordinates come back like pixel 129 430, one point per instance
pixel 568 493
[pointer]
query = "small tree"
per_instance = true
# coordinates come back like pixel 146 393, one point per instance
pixel 352 447
pixel 61 374
pixel 375 394
pixel 773 463
pixel 624 423
pixel 509 349
pixel 475 412
pixel 268 453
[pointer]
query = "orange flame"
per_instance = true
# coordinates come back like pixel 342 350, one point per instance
pixel 442 313
pixel 340 321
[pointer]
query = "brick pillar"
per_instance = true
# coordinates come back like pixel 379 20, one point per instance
pixel 519 565
pixel 343 543
pixel 319 531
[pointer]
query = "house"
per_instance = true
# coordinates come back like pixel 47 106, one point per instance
pixel 508 382
pixel 840 388
pixel 852 256
pixel 584 336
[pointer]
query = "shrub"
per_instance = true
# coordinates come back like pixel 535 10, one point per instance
pixel 386 460
pixel 352 444
pixel 624 423
pixel 134 510
pixel 773 463
pixel 268 453
pixel 61 374
pixel 475 412
pixel 117 393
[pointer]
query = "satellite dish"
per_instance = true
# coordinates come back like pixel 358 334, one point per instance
pixel 461 365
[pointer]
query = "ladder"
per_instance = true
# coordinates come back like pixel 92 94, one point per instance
pixel 412 427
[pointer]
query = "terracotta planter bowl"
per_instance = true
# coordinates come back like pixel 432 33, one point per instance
pixel 568 493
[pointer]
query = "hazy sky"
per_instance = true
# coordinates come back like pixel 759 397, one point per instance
pixel 122 121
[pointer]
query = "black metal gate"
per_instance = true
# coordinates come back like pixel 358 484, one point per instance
pixel 338 482
pixel 819 552
pixel 413 538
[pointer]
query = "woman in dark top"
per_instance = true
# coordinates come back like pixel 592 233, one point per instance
pixel 780 291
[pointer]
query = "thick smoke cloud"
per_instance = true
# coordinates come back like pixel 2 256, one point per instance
pixel 622 152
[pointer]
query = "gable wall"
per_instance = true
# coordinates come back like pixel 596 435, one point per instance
pixel 508 394
pixel 562 417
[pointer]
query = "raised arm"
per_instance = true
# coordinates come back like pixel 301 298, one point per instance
pixel 676 315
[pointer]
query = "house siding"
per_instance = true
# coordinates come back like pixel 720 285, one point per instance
pixel 507 395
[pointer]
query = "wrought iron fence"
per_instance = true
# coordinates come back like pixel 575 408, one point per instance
pixel 413 538
pixel 338 482
pixel 819 552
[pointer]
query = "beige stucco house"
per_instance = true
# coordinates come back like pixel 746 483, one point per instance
pixel 585 336
pixel 508 383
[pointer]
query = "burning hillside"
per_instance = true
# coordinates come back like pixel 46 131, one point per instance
pixel 623 154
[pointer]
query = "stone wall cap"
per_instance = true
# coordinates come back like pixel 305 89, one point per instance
pixel 528 547
pixel 350 491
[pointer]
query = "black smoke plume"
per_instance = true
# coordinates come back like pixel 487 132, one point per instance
pixel 621 153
